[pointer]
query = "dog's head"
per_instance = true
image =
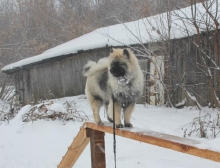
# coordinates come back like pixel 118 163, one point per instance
pixel 120 61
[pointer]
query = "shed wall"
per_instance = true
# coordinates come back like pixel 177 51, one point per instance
pixel 187 71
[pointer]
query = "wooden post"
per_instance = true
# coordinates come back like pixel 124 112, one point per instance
pixel 97 144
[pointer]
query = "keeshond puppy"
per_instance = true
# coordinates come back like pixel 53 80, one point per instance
pixel 116 80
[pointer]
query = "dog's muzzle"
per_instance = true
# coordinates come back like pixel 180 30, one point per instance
pixel 118 69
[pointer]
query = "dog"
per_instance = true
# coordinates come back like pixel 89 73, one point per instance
pixel 116 80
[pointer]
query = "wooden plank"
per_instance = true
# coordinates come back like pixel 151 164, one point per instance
pixel 84 61
pixel 75 149
pixel 179 144
pixel 21 86
pixel 74 75
pixel 63 77
pixel 97 146
pixel 78 75
pixel 41 84
pixel 144 67
pixel 35 85
pixel 69 78
pixel 48 81
pixel 27 94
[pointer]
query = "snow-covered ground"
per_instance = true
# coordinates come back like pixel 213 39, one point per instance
pixel 41 144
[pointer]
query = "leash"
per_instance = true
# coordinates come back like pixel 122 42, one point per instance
pixel 114 139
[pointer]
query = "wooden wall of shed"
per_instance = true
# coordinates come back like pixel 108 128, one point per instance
pixel 144 64
pixel 185 59
pixel 60 78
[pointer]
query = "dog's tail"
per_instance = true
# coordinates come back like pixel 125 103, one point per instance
pixel 87 67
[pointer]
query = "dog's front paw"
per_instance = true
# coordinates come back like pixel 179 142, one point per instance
pixel 128 125
pixel 100 123
pixel 119 126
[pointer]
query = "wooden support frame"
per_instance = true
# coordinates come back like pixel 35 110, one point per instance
pixel 75 149
pixel 96 134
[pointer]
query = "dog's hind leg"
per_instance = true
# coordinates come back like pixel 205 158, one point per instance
pixel 96 104
pixel 106 109
pixel 127 115
pixel 109 119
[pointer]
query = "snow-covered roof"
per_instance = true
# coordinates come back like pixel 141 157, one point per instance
pixel 150 29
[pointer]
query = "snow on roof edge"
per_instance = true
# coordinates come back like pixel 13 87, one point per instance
pixel 35 59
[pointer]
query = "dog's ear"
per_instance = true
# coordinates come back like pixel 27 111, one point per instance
pixel 126 53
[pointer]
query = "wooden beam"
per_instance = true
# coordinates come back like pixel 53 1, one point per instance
pixel 97 144
pixel 75 149
pixel 179 144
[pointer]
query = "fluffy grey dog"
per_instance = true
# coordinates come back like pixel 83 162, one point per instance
pixel 116 78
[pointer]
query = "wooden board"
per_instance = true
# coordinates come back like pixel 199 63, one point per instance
pixel 179 144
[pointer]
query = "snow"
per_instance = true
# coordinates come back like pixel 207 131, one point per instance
pixel 124 80
pixel 211 145
pixel 181 103
pixel 57 107
pixel 43 143
pixel 145 30
pixel 18 118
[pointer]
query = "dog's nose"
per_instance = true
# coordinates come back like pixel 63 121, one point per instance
pixel 117 71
